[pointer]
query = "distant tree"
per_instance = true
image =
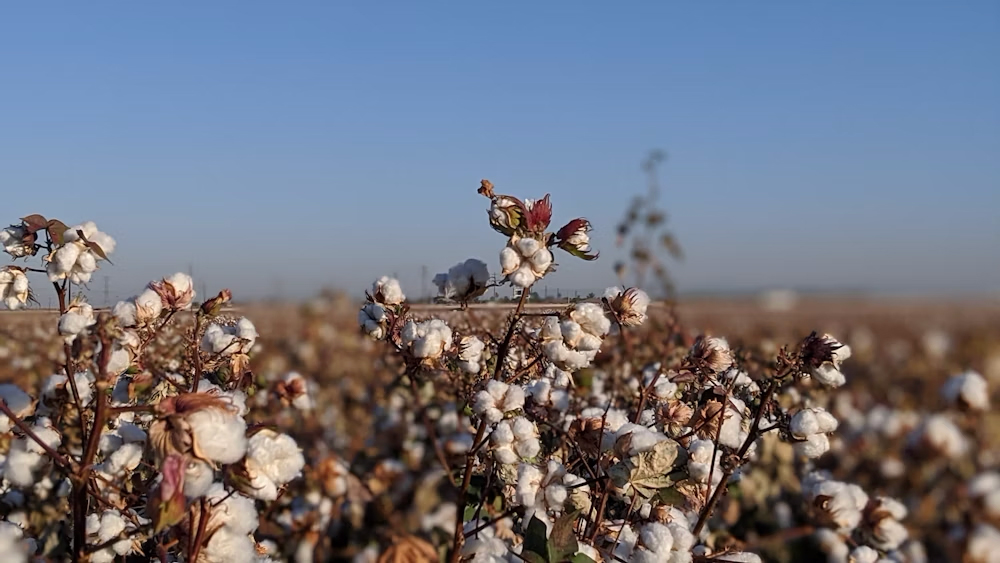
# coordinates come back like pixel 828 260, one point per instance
pixel 643 231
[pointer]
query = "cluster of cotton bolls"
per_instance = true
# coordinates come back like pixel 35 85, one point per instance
pixel 151 440
pixel 463 281
pixel 76 259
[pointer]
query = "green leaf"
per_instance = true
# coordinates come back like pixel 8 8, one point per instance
pixel 562 541
pixel 535 540
pixel 581 558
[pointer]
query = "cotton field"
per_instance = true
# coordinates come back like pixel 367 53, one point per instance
pixel 178 427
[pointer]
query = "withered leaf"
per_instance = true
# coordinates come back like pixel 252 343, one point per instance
pixel 57 230
pixel 34 222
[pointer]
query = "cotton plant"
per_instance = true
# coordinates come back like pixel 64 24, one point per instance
pixel 138 455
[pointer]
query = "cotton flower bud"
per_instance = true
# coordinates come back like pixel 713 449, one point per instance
pixel 15 547
pixel 823 355
pixel 17 241
pixel 14 290
pixel 628 306
pixel 968 391
pixel 214 306
pixel 427 339
pixel 525 260
pixel 373 320
pixel 387 291
pixel 176 292
pixel 712 353
pixel 225 340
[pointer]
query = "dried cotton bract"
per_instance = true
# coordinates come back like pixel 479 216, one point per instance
pixel 628 306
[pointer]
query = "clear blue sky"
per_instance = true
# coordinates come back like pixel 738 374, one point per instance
pixel 822 144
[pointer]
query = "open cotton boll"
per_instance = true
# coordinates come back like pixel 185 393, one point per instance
pixel 126 313
pixel 372 318
pixel 19 403
pixel 219 434
pixel 524 276
pixel 227 546
pixel 14 546
pixel 968 390
pixel 387 291
pixel 275 456
pixel 148 306
pixel 232 510
pixel 510 261
pixel 198 478
pixel 810 427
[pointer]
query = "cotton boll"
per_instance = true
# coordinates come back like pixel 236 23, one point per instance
pixel 968 390
pixel 513 399
pixel 275 455
pixel 656 538
pixel 387 291
pixel 126 313
pixel 148 306
pixel 19 402
pixel 510 261
pixel 198 478
pixel 219 435
pixel 523 277
pixel 541 261
pixel 226 546
pixel 527 247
